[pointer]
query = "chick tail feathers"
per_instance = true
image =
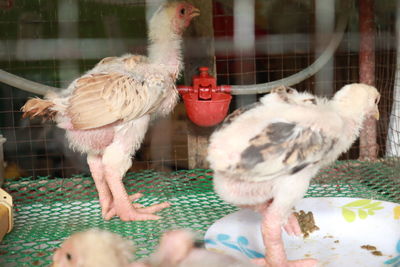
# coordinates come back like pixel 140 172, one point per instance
pixel 39 107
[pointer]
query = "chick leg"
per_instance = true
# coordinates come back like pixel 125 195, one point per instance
pixel 97 171
pixel 292 226
pixel 105 196
pixel 275 215
pixel 272 237
pixel 122 206
pixel 116 163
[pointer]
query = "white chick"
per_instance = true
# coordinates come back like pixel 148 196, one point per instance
pixel 94 248
pixel 177 249
pixel 106 112
pixel 265 156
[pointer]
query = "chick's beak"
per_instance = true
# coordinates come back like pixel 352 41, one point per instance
pixel 194 12
pixel 376 113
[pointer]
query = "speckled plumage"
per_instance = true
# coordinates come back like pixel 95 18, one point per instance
pixel 267 155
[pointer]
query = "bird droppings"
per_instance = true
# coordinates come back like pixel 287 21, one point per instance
pixel 336 241
pixel 328 236
pixel 377 253
pixel 372 249
pixel 307 222
pixel 368 247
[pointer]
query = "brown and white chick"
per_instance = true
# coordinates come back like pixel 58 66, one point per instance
pixel 264 156
pixel 291 96
pixel 177 249
pixel 94 248
pixel 280 94
pixel 106 112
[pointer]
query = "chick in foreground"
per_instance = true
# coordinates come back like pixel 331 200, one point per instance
pixel 101 248
pixel 94 248
pixel 106 112
pixel 177 249
pixel 264 156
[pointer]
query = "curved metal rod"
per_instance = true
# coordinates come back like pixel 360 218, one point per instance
pixel 261 88
pixel 300 76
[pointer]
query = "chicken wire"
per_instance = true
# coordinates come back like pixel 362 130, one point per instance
pixel 48 210
pixel 55 202
pixel 290 38
pixel 52 42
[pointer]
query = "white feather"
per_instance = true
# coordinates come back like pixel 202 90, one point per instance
pixel 254 162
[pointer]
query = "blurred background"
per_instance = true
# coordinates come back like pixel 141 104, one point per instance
pixel 242 42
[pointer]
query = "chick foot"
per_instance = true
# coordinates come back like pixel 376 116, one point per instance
pixel 292 227
pixel 107 204
pixel 135 211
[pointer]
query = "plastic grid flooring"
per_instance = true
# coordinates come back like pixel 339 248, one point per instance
pixel 49 210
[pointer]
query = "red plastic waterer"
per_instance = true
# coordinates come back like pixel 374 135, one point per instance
pixel 206 103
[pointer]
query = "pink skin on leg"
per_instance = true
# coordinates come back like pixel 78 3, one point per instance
pixel 108 204
pixel 122 206
pixel 272 236
pixel 97 171
pixel 292 226
pixel 116 161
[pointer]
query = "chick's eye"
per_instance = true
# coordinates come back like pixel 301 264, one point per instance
pixel 69 257
pixel 183 11
pixel 376 100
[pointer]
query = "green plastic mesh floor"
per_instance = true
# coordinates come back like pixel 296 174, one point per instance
pixel 49 210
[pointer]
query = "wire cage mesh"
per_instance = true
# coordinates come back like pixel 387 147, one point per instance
pixel 52 42
pixel 42 43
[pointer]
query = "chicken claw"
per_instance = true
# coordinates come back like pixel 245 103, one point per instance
pixel 137 212
pixel 292 227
